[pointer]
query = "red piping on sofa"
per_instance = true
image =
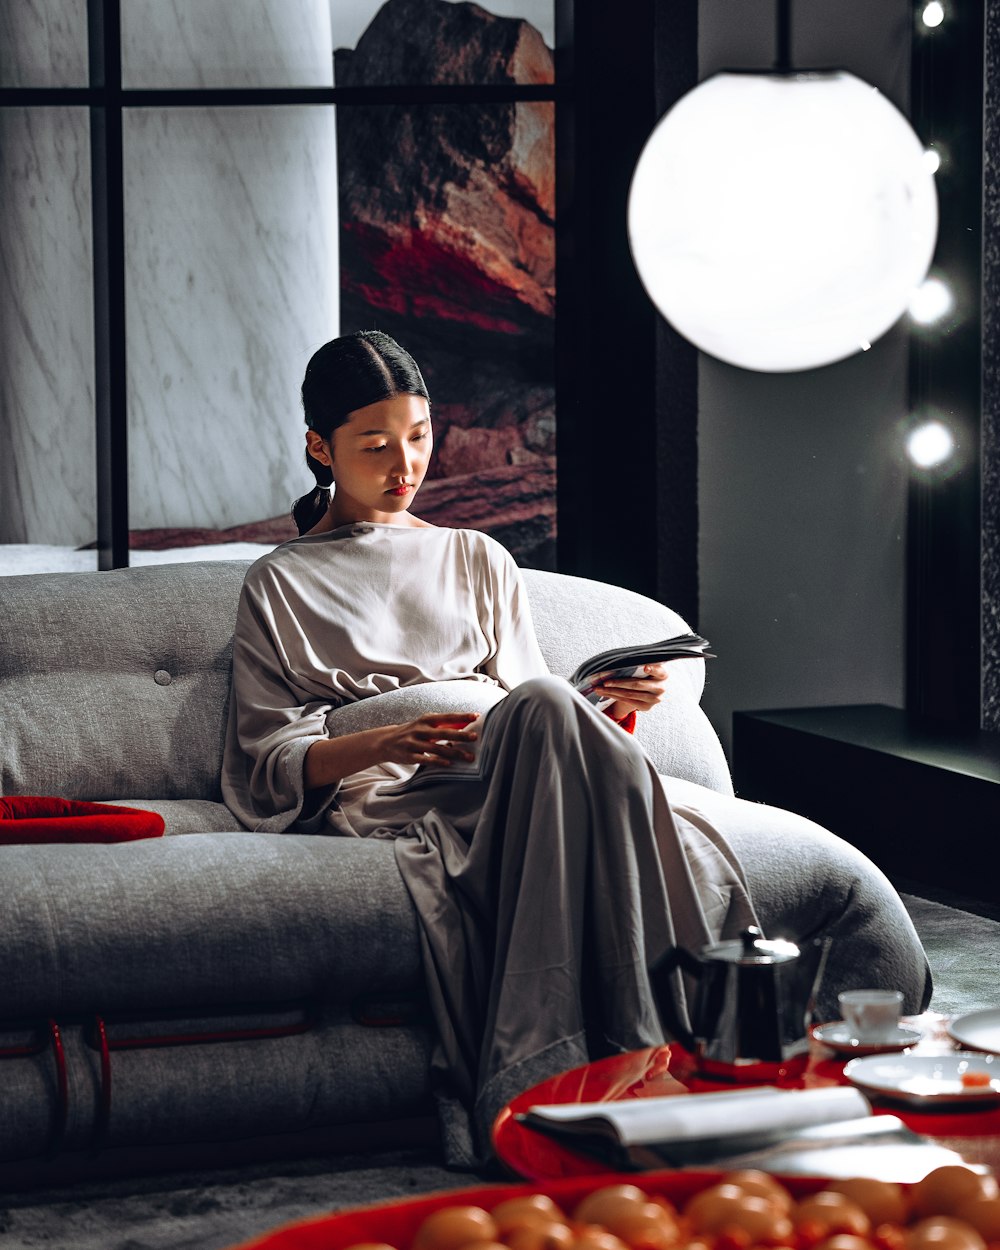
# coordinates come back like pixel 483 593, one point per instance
pixel 20 1052
pixel 104 1109
pixel 203 1037
pixel 62 1102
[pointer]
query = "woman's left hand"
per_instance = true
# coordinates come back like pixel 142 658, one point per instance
pixel 635 694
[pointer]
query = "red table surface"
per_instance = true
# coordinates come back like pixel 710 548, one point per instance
pixel 396 1222
pixel 664 1070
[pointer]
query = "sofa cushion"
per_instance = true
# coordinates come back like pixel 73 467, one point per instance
pixel 116 684
pixel 202 919
pixel 188 815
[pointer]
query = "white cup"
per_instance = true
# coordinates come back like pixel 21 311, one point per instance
pixel 871 1015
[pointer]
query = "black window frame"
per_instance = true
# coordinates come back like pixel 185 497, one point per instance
pixel 107 100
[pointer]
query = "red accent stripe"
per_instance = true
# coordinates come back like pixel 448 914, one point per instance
pixel 62 1102
pixel 20 1052
pixel 104 1110
pixel 310 1017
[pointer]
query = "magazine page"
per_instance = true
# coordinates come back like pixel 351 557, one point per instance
pixel 696 1117
pixel 818 1132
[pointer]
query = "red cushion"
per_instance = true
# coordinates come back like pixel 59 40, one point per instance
pixel 34 818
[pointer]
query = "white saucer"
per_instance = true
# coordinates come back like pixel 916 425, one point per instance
pixel 837 1035
pixel 924 1080
pixel 978 1030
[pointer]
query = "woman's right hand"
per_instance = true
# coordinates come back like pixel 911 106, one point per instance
pixel 437 738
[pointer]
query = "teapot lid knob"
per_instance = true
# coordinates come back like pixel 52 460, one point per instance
pixel 757 947
pixel 752 948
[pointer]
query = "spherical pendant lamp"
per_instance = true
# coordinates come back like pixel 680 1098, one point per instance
pixel 782 221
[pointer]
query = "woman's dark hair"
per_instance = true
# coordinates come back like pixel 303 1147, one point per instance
pixel 348 373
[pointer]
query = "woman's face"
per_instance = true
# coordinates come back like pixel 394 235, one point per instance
pixel 378 458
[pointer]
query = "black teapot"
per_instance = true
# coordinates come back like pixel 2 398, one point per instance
pixel 752 1003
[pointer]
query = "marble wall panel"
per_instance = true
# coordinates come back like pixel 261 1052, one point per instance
pixel 232 283
pixel 226 43
pixel 47 469
pixel 43 43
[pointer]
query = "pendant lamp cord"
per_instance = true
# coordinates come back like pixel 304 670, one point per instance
pixel 783 37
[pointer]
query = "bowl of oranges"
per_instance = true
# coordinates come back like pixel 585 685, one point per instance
pixel 952 1208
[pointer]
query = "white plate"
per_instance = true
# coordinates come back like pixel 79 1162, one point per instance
pixel 979 1030
pixel 837 1035
pixel 927 1079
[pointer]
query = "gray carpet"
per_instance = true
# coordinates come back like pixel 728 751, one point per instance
pixel 209 1210
pixel 964 953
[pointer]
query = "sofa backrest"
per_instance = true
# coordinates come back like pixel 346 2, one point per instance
pixel 116 685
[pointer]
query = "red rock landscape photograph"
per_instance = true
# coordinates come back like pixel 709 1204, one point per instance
pixel 447 242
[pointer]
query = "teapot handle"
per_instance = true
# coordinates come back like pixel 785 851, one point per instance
pixel 664 985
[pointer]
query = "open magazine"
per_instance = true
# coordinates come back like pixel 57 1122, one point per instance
pixel 823 1131
pixel 629 662
pixel 619 661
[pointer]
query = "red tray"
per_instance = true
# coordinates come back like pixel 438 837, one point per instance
pixel 396 1222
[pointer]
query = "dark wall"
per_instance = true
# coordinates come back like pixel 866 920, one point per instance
pixel 627 384
pixel 802 485
pixel 991 375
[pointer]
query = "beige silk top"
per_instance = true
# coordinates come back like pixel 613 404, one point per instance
pixel 362 610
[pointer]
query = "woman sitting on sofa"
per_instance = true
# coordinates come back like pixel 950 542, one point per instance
pixel 548 867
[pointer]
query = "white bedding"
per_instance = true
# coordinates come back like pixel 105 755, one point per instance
pixel 38 558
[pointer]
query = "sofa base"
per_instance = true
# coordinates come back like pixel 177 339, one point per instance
pixel 71 1088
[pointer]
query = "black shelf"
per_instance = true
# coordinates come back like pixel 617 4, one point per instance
pixel 920 800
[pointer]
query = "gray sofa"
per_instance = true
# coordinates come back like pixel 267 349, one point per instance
pixel 220 984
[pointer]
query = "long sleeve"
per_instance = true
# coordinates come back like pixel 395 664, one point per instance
pixel 506 619
pixel 271 727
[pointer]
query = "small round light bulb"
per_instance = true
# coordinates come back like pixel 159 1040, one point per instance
pixel 933 14
pixel 931 301
pixel 930 444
